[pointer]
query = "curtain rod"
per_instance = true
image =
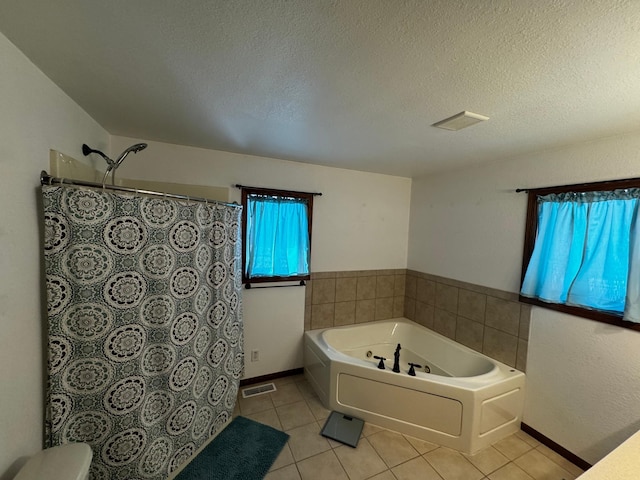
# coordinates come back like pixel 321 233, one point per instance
pixel 584 186
pixel 237 185
pixel 46 179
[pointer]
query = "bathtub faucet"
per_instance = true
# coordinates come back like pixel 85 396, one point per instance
pixel 381 363
pixel 396 359
pixel 412 368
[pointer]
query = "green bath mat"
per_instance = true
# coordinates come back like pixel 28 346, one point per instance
pixel 244 450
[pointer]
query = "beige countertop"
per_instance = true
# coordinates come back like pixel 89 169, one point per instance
pixel 621 464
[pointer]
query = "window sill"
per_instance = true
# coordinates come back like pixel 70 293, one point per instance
pixel 596 315
pixel 271 284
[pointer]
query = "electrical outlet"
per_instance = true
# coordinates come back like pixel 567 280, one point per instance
pixel 255 355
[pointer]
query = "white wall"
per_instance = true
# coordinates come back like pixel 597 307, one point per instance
pixel 360 222
pixel 582 377
pixel 35 116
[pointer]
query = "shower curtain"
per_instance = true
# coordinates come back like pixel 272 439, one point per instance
pixel 145 329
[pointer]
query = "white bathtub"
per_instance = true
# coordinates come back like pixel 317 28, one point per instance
pixel 467 402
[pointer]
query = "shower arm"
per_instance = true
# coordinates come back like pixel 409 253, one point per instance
pixel 112 165
pixel 86 150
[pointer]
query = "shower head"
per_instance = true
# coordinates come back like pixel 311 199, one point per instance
pixel 133 148
pixel 137 147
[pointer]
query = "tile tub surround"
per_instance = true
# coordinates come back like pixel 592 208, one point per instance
pixel 334 299
pixel 490 321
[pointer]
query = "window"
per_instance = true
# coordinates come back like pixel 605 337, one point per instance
pixel 276 234
pixel 582 251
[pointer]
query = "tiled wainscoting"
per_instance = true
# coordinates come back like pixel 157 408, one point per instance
pixel 334 299
pixel 490 321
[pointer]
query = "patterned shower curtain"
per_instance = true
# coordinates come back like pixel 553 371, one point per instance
pixel 145 328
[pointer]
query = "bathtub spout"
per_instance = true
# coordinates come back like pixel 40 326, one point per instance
pixel 396 359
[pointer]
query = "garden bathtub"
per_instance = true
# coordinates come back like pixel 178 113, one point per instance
pixel 468 401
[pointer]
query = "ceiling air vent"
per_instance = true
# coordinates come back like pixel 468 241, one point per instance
pixel 459 121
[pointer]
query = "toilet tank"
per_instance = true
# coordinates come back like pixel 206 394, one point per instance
pixel 70 461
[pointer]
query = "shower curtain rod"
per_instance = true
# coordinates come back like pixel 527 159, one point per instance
pixel 46 179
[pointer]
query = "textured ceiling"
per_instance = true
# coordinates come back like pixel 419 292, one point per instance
pixel 345 83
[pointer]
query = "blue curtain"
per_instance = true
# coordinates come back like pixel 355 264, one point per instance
pixel 277 237
pixel 585 252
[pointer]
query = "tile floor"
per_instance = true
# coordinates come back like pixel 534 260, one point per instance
pixel 383 454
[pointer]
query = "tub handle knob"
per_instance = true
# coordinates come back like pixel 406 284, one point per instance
pixel 412 370
pixel 381 364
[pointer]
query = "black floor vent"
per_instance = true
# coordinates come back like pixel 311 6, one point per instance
pixel 258 390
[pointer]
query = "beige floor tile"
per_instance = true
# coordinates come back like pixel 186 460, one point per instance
pixel 560 460
pixel 422 446
pixel 392 447
pixel 415 469
pixel 528 438
pixel 285 394
pixel 512 447
pixel 306 389
pixel 488 460
pixel 386 475
pixel 541 467
pixel 452 465
pixel 286 380
pixel 294 415
pixel 317 408
pixel 255 404
pixel 370 429
pixel 305 441
pixel 286 473
pixel 384 454
pixel 361 462
pixel 284 458
pixel 268 417
pixel 322 467
pixel 510 472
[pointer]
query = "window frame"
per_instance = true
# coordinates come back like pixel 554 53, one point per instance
pixel 531 228
pixel 246 192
